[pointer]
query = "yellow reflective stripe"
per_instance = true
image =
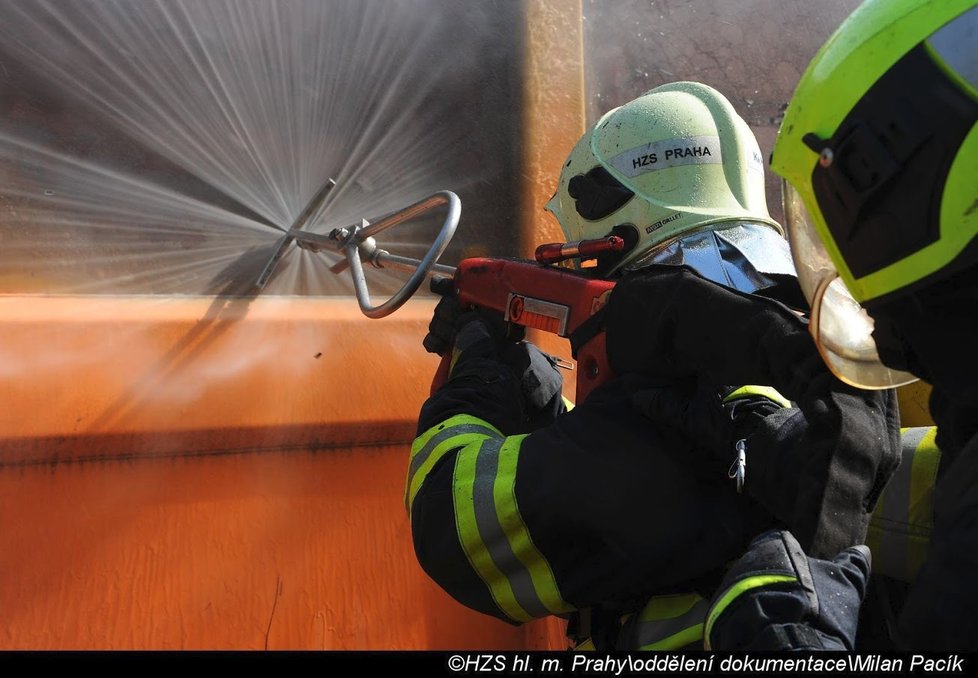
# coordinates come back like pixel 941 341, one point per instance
pixel 493 535
pixel 508 512
pixel 921 509
pixel 668 607
pixel 900 527
pixel 688 636
pixel 888 537
pixel 457 420
pixel 764 391
pixel 428 448
pixel 734 591
pixel 476 550
pixel 455 355
pixel 568 403
pixel 671 622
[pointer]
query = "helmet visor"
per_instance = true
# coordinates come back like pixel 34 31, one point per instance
pixel 842 329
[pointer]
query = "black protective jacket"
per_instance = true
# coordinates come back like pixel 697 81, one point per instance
pixel 597 507
pixel 591 508
pixel 819 469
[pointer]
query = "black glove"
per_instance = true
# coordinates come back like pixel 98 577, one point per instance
pixel 777 598
pixel 718 420
pixel 541 382
pixel 450 316
pixel 444 323
pixel 478 342
pixel 483 335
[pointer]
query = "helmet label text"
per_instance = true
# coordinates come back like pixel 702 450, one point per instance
pixel 668 153
pixel 662 222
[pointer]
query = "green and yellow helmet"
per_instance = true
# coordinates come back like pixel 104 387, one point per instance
pixel 879 155
pixel 675 160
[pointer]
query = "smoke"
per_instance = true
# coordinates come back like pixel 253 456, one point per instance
pixel 752 51
pixel 243 106
pixel 160 146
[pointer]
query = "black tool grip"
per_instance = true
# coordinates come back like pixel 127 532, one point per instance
pixel 442 286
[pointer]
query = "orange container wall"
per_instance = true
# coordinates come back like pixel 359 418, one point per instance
pixel 228 474
pixel 260 550
pixel 192 474
pixel 553 121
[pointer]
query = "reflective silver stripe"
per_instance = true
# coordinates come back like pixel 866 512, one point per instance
pixel 894 535
pixel 675 632
pixel 657 155
pixel 492 534
pixel 957 45
pixel 449 432
pixel 428 448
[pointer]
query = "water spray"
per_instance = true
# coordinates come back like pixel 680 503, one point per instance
pixel 357 244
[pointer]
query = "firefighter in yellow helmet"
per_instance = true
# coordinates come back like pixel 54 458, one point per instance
pixel 879 153
pixel 520 509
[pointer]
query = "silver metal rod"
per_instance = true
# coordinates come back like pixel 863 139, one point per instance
pixel 408 213
pixel 283 244
pixel 357 245
pixel 313 205
pixel 280 249
pixel 316 242
pixel 360 284
pixel 385 259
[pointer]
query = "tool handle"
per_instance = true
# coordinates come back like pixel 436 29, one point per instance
pixel 528 295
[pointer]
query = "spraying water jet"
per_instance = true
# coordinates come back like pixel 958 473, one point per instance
pixel 357 243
